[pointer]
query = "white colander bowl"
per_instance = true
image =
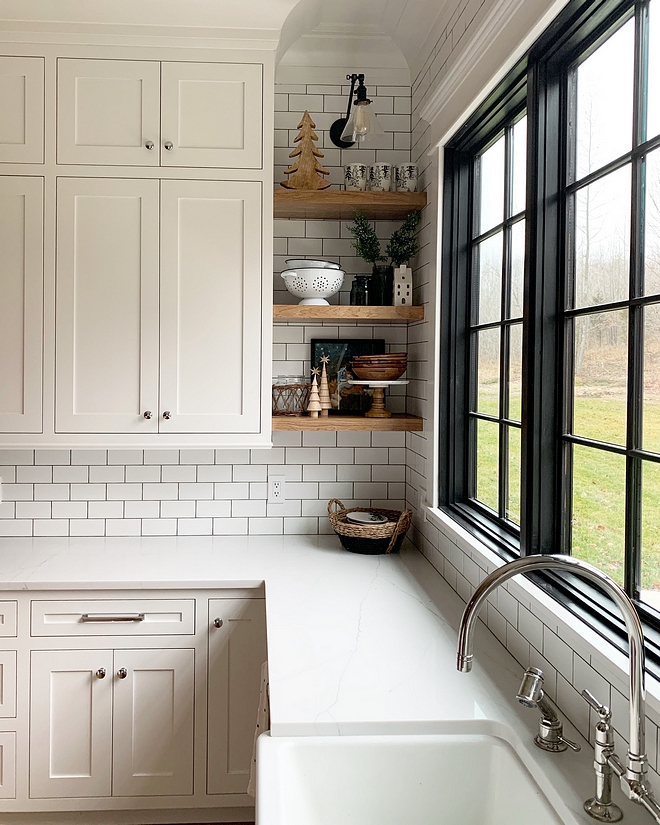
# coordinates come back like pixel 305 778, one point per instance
pixel 313 284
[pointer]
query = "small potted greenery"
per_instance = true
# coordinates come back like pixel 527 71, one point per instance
pixel 401 247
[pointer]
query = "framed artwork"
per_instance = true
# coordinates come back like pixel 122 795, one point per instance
pixel 345 399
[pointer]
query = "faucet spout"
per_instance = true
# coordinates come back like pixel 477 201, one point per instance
pixel 635 773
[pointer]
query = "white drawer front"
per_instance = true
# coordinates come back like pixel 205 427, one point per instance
pixel 8 618
pixel 114 617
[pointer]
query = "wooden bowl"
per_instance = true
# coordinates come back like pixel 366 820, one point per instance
pixel 379 373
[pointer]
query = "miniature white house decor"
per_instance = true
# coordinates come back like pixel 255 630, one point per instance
pixel 402 286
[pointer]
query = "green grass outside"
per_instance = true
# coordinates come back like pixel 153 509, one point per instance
pixel 598 486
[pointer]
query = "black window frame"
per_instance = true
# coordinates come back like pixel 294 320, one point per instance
pixel 539 84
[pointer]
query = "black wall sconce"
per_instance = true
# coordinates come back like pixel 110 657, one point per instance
pixel 360 123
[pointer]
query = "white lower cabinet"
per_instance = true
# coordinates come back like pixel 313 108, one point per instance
pixel 152 750
pixel 70 723
pixel 237 650
pixel 124 722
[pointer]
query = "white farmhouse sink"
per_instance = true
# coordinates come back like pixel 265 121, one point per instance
pixel 475 779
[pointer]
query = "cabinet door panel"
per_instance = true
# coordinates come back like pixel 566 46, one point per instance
pixel 107 305
pixel 70 724
pixel 21 305
pixel 210 306
pixel 212 115
pixel 236 652
pixel 22 107
pixel 108 111
pixel 7 765
pixel 153 731
pixel 7 684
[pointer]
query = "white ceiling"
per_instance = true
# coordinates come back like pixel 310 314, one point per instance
pixel 360 33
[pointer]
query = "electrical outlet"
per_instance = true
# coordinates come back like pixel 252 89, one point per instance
pixel 276 489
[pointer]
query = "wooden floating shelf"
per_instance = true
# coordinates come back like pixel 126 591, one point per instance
pixel 397 423
pixel 338 312
pixel 336 204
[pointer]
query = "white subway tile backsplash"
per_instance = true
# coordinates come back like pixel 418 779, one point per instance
pixel 195 527
pixel 212 509
pixel 125 456
pixel 15 527
pixel 51 527
pixel 250 472
pixel 160 491
pixel 123 492
pixel 181 472
pixel 196 491
pixel 52 457
pixel 178 509
pixel 214 472
pixel 69 509
pixel 284 508
pixel 86 527
pixel 159 527
pixel 247 507
pixel 105 509
pixel 16 457
pixel 101 473
pixel 31 474
pixel 123 527
pixel 89 457
pixel 70 474
pixel 231 490
pixel 51 492
pixel 141 509
pixel 33 509
pixel 230 526
pixel 143 473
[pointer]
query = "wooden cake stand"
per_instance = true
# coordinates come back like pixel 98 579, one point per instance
pixel 378 409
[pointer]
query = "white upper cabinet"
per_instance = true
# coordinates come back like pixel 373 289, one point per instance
pixel 22 110
pixel 112 112
pixel 108 112
pixel 107 306
pixel 21 303
pixel 210 293
pixel 212 115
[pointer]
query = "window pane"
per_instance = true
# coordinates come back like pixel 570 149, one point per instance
pixel 652 224
pixel 513 505
pixel 488 371
pixel 602 240
pixel 650 584
pixel 653 101
pixel 651 409
pixel 601 376
pixel 491 187
pixel 487 463
pixel 517 268
pixel 515 372
pixel 599 482
pixel 519 165
pixel 489 257
pixel 605 102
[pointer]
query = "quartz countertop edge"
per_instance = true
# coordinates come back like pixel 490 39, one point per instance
pixel 356 644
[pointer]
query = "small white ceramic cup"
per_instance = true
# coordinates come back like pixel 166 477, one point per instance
pixel 355 176
pixel 380 177
pixel 406 177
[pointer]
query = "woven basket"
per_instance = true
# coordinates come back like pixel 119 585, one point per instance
pixel 369 539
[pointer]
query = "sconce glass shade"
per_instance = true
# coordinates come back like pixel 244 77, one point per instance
pixel 362 125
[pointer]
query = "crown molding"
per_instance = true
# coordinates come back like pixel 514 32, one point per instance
pixel 499 16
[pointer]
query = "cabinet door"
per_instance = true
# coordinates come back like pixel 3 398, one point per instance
pixel 212 115
pixel 21 303
pixel 237 651
pixel 210 339
pixel 108 112
pixel 153 730
pixel 22 107
pixel 7 684
pixel 70 723
pixel 7 765
pixel 107 306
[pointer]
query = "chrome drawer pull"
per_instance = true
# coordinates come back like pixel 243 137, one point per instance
pixel 112 617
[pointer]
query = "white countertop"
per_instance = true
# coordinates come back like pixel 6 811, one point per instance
pixel 356 644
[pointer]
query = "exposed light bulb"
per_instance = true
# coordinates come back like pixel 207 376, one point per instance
pixel 362 122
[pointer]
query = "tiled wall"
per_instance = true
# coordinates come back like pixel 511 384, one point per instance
pixel 198 492
pixel 534 628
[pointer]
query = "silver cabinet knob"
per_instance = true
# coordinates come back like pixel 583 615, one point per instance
pixel 167 415
pixel 148 414
pixel 169 146
pixel 149 144
pixel 217 622
pixel 122 673
pixel 100 673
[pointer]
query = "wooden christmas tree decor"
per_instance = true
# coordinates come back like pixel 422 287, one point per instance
pixel 314 406
pixel 324 392
pixel 306 171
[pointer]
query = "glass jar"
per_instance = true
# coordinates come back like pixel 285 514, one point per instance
pixel 360 291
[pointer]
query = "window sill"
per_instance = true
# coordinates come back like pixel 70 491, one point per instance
pixel 589 645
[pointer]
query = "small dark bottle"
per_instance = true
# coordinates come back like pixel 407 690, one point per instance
pixel 360 291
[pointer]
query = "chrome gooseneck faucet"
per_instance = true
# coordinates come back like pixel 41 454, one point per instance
pixel 633 775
